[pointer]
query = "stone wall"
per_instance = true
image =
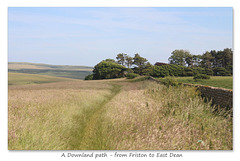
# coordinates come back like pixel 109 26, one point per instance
pixel 219 96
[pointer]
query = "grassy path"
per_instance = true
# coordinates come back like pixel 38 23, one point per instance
pixel 114 115
pixel 89 135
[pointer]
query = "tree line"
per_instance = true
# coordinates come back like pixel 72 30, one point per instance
pixel 212 59
pixel 181 63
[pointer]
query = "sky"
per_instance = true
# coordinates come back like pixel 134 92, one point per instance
pixel 88 35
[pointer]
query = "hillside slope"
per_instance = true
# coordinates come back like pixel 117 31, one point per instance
pixel 23 78
pixel 67 71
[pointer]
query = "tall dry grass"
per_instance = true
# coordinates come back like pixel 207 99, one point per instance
pixel 114 115
pixel 45 117
pixel 150 116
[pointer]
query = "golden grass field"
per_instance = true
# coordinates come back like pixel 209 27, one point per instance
pixel 113 115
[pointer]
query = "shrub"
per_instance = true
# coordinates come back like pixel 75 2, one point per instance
pixel 201 76
pixel 131 75
pixel 209 71
pixel 181 71
pixel 89 77
pixel 198 70
pixel 159 71
pixel 229 68
pixel 220 71
pixel 170 81
pixel 188 71
pixel 107 69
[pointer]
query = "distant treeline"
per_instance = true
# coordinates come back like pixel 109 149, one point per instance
pixel 181 63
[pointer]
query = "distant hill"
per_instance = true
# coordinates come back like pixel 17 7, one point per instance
pixel 23 78
pixel 67 71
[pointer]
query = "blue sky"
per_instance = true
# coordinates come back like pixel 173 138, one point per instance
pixel 87 35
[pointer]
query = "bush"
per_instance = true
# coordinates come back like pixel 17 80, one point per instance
pixel 159 71
pixel 220 71
pixel 131 75
pixel 170 81
pixel 201 76
pixel 89 77
pixel 209 71
pixel 188 71
pixel 229 68
pixel 107 69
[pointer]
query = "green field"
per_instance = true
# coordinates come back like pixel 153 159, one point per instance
pixel 67 71
pixel 22 78
pixel 214 81
pixel 25 65
pixel 115 114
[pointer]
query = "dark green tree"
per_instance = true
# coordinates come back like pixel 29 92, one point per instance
pixel 128 61
pixel 189 60
pixel 108 70
pixel 220 71
pixel 121 58
pixel 227 57
pixel 148 69
pixel 89 77
pixel 140 62
pixel 222 58
pixel 179 57
pixel 197 60
pixel 207 60
pixel 110 60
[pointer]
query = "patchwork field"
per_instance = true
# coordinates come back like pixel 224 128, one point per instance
pixel 67 71
pixel 22 78
pixel 113 115
pixel 25 65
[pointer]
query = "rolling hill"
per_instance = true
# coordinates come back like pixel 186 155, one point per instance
pixel 23 78
pixel 67 71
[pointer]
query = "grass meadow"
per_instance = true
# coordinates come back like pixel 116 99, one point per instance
pixel 22 78
pixel 214 81
pixel 114 115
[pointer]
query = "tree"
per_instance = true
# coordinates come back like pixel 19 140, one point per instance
pixel 159 71
pixel 220 71
pixel 148 69
pixel 215 60
pixel 188 71
pixel 89 77
pixel 229 68
pixel 121 58
pixel 227 57
pixel 110 60
pixel 140 62
pixel 197 60
pixel 128 61
pixel 179 57
pixel 108 70
pixel 189 60
pixel 207 60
